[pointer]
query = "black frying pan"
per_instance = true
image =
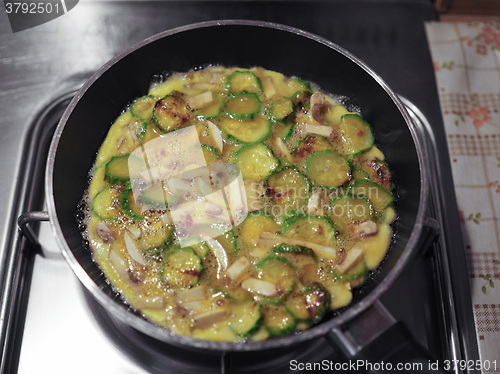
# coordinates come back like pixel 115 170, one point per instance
pixel 292 52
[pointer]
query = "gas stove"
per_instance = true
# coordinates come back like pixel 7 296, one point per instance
pixel 49 321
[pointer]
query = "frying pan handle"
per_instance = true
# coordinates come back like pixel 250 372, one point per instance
pixel 382 345
pixel 30 217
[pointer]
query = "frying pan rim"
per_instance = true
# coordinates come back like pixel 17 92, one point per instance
pixel 164 335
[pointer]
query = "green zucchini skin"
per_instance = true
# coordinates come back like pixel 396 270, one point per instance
pixel 378 195
pixel 117 170
pixel 127 206
pixel 103 204
pixel 307 226
pixel 249 319
pixel 142 108
pixel 256 161
pixel 279 322
pixel 328 169
pixel 243 80
pixel 278 189
pixel 247 131
pixel 281 109
pixel 243 105
pixel 356 133
pixel 181 267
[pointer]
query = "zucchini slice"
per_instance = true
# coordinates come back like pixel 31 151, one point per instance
pixel 301 97
pixel 155 195
pixel 278 322
pixel 256 161
pixel 357 272
pixel 298 256
pixel 378 172
pixel 156 234
pixel 254 225
pixel 315 229
pixel 117 170
pixel 211 110
pixel 279 271
pixel 249 130
pixel 289 189
pixel 356 134
pixel 309 145
pixel 378 195
pixel 243 105
pixel 358 173
pixel 106 203
pixel 328 169
pixel 247 318
pixel 182 267
pixel 348 209
pixel 142 108
pixel 201 250
pixel 297 84
pixel 309 305
pixel 210 153
pixel 129 205
pixel 228 241
pixel 171 113
pixel 245 80
pixel 283 130
pixel 281 109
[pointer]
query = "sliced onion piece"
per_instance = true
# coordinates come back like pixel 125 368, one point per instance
pixel 119 263
pixel 260 286
pixel 284 150
pixel 238 267
pixel 318 129
pixel 216 134
pixel 219 253
pixel 133 250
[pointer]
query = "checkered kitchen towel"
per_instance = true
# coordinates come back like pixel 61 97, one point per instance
pixel 467 64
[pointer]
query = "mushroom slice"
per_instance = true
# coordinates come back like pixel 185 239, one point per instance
pixel 190 295
pixel 352 257
pixel 315 204
pixel 366 228
pixel 105 233
pixel 209 318
pixel 317 103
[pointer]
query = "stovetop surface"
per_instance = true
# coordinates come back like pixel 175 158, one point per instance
pixel 39 65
